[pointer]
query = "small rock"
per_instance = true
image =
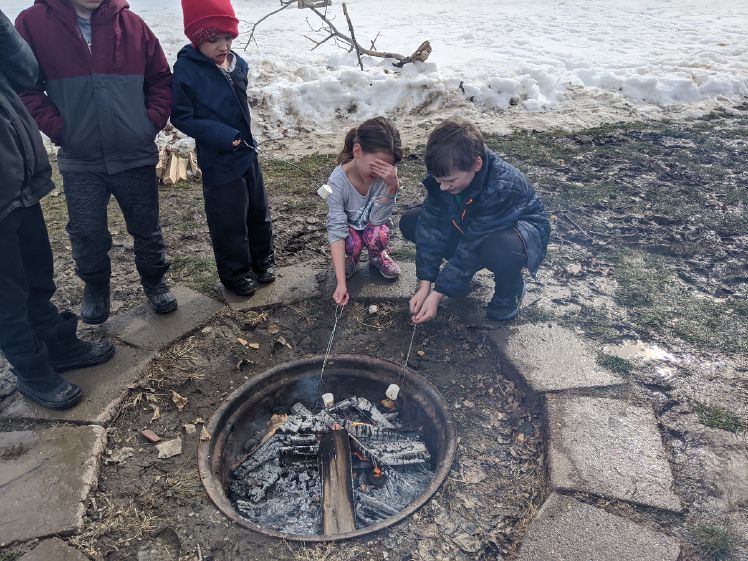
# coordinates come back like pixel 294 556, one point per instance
pixel 204 434
pixel 189 428
pixel 421 353
pixel 150 436
pixel 119 455
pixel 373 309
pixel 169 448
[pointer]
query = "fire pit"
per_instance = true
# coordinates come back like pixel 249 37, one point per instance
pixel 277 439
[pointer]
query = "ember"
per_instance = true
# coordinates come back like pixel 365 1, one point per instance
pixel 278 483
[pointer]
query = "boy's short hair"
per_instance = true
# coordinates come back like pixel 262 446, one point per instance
pixel 453 146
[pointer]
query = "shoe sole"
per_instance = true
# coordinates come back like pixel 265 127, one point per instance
pixel 165 310
pixel 94 321
pixel 388 277
pixel 84 364
pixel 266 281
pixel 50 404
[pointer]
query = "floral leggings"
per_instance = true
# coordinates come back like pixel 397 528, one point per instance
pixel 375 238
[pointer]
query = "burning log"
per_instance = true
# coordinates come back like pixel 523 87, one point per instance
pixel 365 406
pixel 337 483
pixel 373 508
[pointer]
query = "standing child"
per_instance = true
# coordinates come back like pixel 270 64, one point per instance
pixel 210 104
pixel 104 92
pixel 479 213
pixel 364 187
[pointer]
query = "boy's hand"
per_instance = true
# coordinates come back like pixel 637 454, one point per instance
pixel 387 173
pixel 340 296
pixel 237 142
pixel 417 300
pixel 429 308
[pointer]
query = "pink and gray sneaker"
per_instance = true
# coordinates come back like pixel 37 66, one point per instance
pixel 384 264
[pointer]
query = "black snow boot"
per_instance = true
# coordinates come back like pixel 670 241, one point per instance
pixel 160 298
pixel 67 352
pixel 39 382
pixel 95 305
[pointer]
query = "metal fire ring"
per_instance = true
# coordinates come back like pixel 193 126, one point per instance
pixel 229 426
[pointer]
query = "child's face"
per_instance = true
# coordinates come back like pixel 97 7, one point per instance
pixel 86 7
pixel 217 48
pixel 457 181
pixel 363 161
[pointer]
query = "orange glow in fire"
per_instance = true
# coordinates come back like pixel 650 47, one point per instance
pixel 377 472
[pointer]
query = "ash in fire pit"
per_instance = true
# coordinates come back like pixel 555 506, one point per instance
pixel 309 468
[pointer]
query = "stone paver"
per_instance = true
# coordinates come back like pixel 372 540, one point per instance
pixel 567 530
pixel 141 327
pixel 103 386
pixel 292 284
pixel 45 475
pixel 367 285
pixel 551 358
pixel 54 550
pixel 608 447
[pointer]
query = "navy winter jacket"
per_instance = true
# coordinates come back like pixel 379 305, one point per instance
pixel 26 174
pixel 498 198
pixel 207 107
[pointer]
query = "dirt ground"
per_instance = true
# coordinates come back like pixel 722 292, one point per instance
pixel 648 244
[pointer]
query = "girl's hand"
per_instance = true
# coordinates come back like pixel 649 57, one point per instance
pixel 387 173
pixel 236 142
pixel 340 296
pixel 429 308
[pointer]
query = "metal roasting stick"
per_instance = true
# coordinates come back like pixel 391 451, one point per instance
pixel 338 313
pixel 410 348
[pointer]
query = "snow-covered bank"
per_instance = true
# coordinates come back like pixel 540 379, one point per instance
pixel 505 64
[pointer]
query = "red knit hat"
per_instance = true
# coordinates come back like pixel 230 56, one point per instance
pixel 205 18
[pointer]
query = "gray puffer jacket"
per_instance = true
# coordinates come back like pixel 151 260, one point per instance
pixel 23 158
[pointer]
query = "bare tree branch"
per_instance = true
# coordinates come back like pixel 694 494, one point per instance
pixel 344 41
pixel 353 37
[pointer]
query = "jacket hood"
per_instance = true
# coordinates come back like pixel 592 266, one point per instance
pixel 191 53
pixel 64 8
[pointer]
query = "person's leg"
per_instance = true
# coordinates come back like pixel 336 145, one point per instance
pixel 354 245
pixel 56 330
pixel 136 191
pixel 87 197
pixel 28 357
pixel 259 225
pixel 503 253
pixel 377 239
pixel 226 209
pixel 408 221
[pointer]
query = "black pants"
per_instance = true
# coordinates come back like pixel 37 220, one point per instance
pixel 502 253
pixel 26 284
pixel 240 226
pixel 87 195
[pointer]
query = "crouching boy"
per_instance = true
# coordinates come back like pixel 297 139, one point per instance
pixel 479 213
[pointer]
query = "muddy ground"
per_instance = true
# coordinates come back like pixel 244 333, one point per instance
pixel 649 243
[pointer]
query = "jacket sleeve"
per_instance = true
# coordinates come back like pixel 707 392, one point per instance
pixel 496 212
pixel 337 219
pixel 44 112
pixel 157 82
pixel 214 134
pixel 18 64
pixel 432 240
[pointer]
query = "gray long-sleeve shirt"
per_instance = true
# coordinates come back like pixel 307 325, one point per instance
pixel 348 207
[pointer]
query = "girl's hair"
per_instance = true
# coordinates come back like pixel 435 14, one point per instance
pixel 374 135
pixel 453 146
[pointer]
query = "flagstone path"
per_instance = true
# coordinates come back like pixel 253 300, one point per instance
pixel 598 445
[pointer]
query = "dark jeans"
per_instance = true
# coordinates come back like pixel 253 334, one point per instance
pixel 240 226
pixel 87 195
pixel 502 253
pixel 26 285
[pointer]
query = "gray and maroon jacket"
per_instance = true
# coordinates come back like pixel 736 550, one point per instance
pixel 102 106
